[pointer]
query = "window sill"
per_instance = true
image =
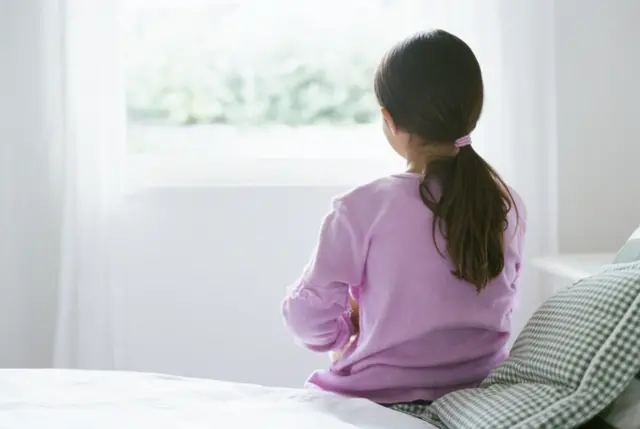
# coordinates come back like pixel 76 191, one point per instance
pixel 164 171
pixel 574 267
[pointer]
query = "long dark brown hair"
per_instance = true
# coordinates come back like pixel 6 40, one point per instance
pixel 431 86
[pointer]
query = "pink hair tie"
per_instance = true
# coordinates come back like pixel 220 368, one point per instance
pixel 463 141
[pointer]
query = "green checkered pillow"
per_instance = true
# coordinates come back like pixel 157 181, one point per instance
pixel 575 356
pixel 624 413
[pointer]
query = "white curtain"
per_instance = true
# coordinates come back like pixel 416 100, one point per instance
pixel 91 149
pixel 61 142
pixel 529 129
pixel 61 171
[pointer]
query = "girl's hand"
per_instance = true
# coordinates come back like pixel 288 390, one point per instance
pixel 355 315
pixel 336 355
pixel 355 321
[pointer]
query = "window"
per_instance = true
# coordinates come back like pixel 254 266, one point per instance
pixel 258 92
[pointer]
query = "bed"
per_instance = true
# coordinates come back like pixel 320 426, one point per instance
pixel 59 399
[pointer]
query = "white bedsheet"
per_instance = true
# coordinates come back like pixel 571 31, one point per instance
pixel 55 399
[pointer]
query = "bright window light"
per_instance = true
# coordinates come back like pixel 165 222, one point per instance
pixel 216 86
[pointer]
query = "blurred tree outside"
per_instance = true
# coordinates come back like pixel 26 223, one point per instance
pixel 257 63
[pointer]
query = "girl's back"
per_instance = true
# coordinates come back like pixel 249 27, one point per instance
pixel 415 274
pixel 422 332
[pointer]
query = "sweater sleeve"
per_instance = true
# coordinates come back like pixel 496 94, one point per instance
pixel 317 311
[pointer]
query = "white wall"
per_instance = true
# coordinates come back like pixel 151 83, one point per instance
pixel 598 94
pixel 179 253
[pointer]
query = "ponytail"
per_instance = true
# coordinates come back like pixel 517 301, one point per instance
pixel 431 86
pixel 470 203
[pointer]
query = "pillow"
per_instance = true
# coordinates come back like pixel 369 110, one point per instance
pixel 624 413
pixel 573 358
pixel 630 251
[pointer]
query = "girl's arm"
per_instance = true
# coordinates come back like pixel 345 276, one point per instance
pixel 318 310
pixel 355 320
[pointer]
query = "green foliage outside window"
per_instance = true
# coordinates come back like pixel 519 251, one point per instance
pixel 189 69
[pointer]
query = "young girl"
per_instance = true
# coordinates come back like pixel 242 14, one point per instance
pixel 420 268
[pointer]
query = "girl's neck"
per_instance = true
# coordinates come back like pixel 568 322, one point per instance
pixel 415 168
pixel 417 162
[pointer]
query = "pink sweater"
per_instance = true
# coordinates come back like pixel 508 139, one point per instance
pixel 423 333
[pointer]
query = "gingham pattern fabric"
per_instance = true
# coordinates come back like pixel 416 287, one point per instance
pixel 416 410
pixel 624 413
pixel 575 356
pixel 420 411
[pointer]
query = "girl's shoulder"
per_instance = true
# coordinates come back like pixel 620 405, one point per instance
pixel 368 203
pixel 516 220
pixel 379 190
pixel 518 206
